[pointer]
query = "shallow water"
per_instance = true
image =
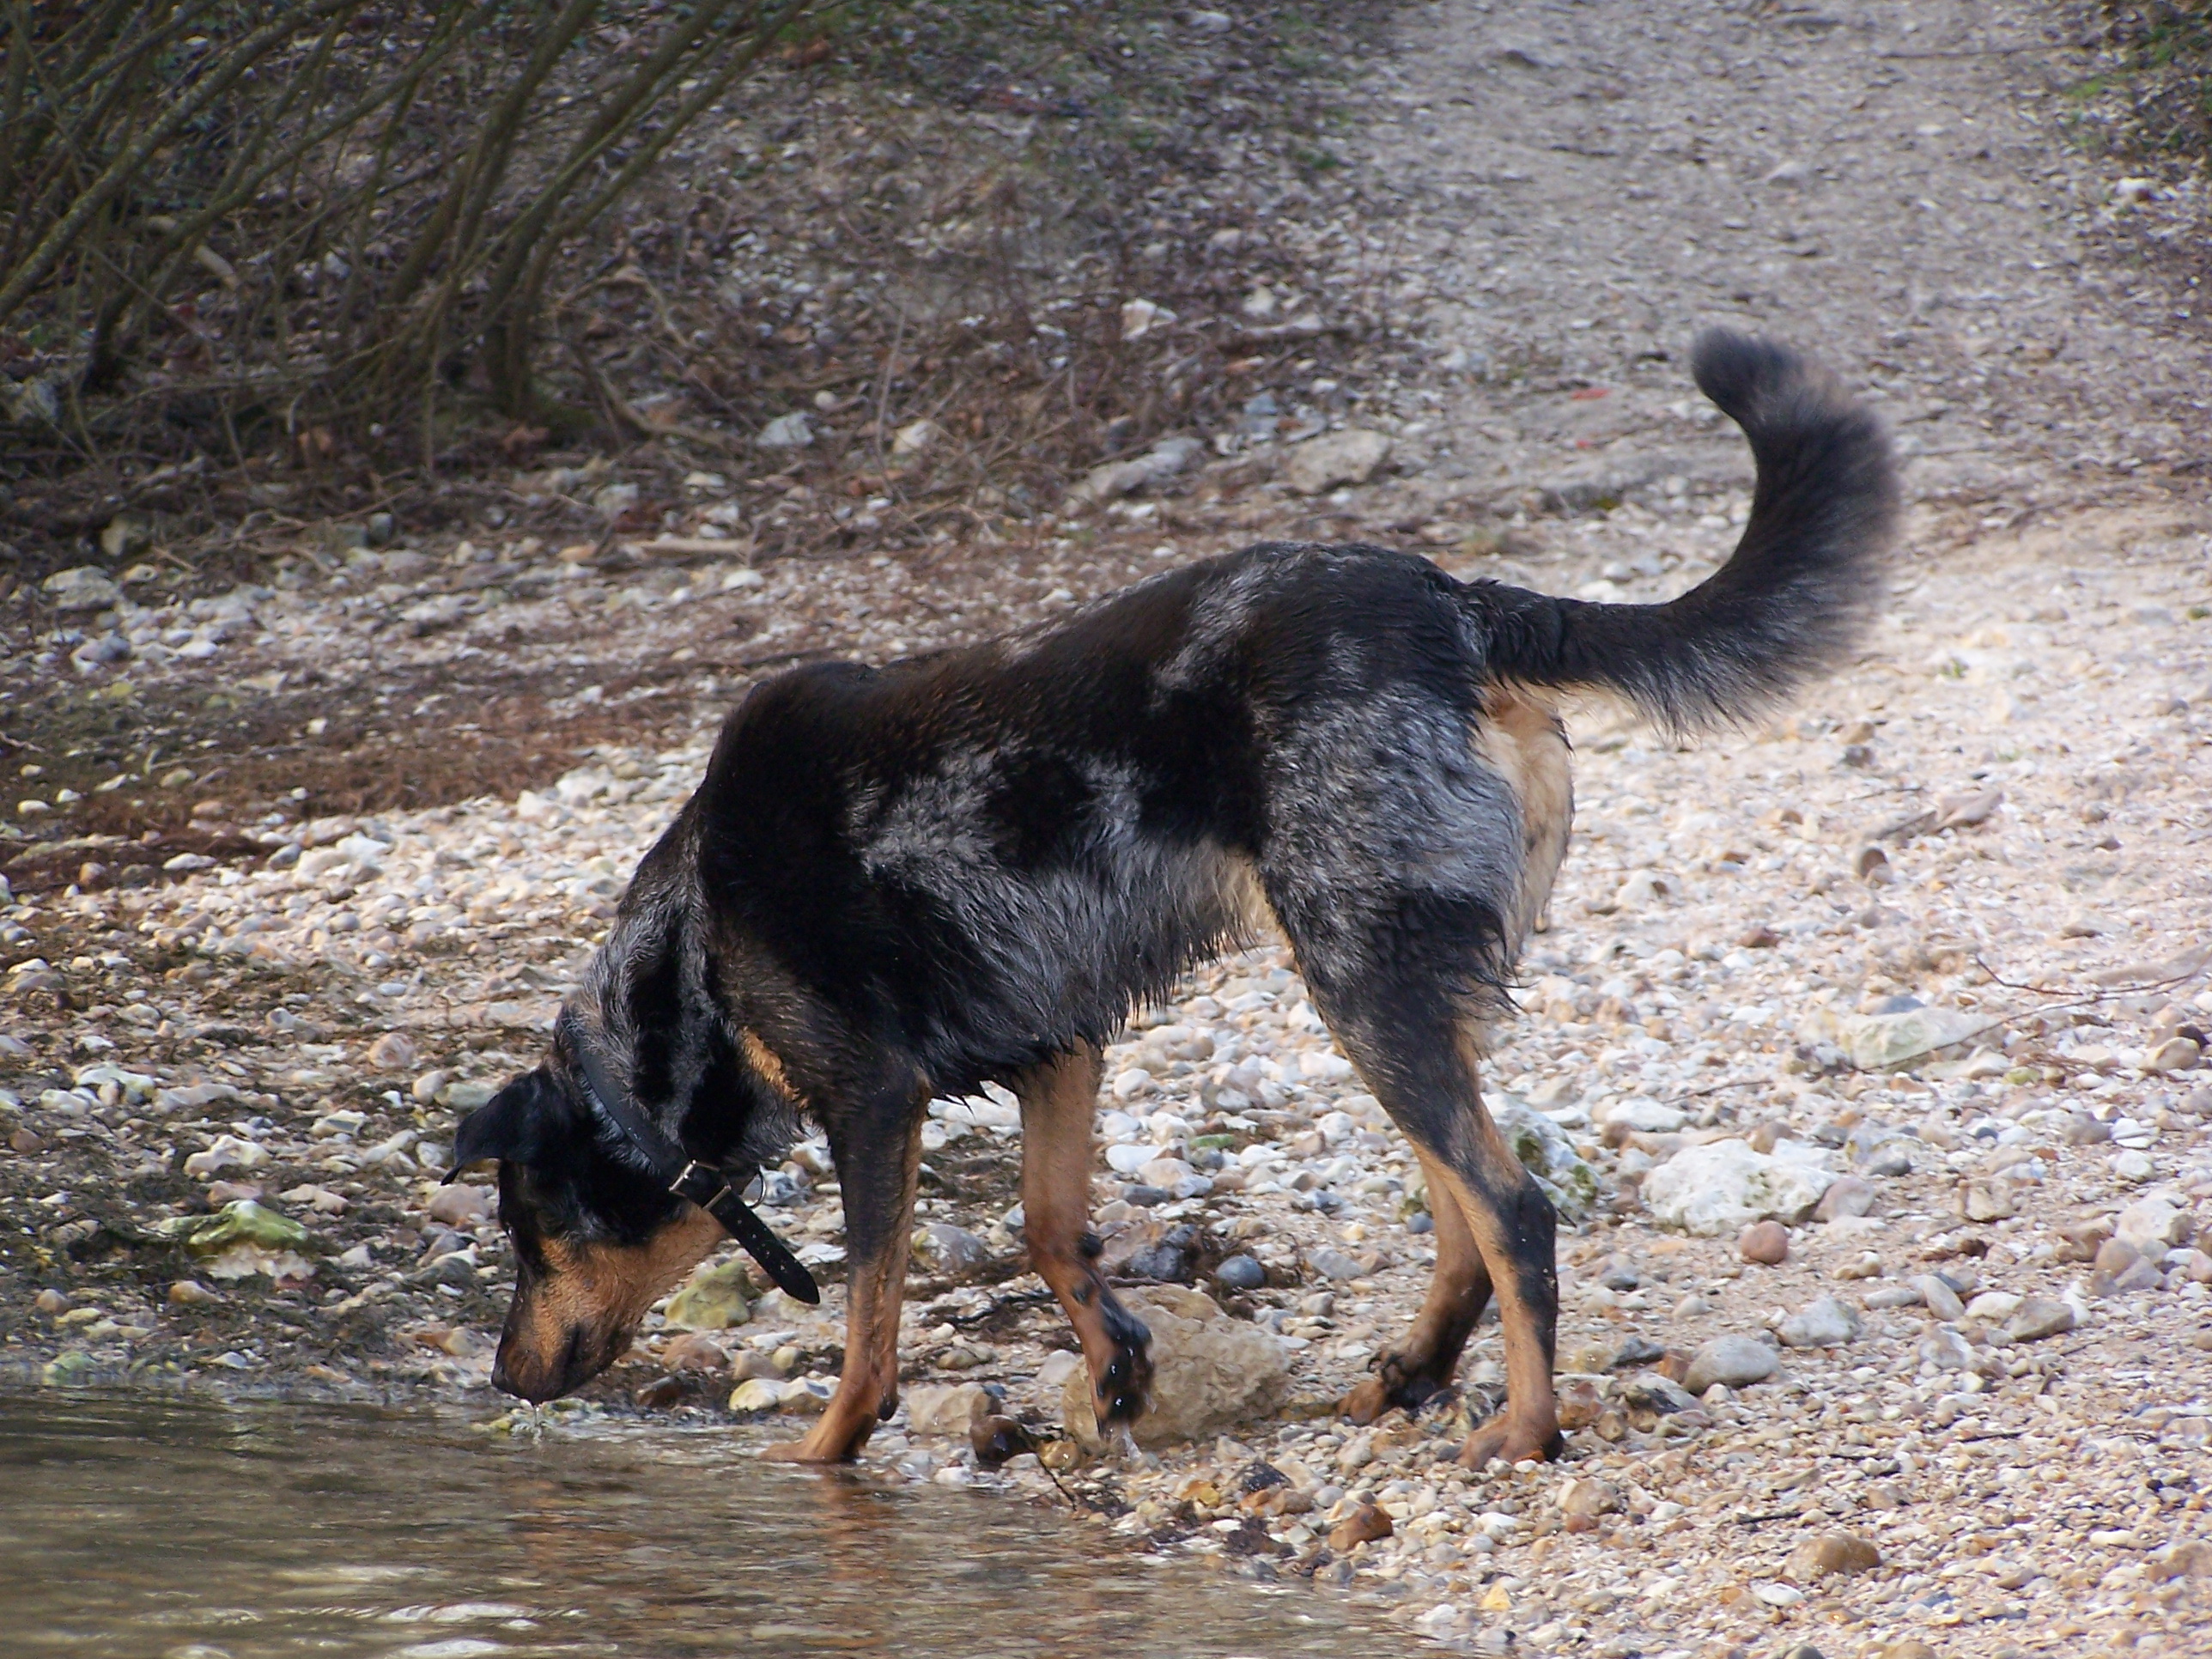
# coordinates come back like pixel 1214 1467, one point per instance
pixel 161 1530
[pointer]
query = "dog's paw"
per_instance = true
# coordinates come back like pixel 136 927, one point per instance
pixel 1504 1440
pixel 828 1442
pixel 1390 1386
pixel 1125 1386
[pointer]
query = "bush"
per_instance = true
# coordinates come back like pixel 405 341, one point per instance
pixel 221 221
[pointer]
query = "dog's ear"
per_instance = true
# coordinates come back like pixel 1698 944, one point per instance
pixel 509 1126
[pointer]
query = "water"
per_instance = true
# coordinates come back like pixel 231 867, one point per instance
pixel 159 1530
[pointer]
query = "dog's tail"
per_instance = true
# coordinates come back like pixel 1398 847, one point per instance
pixel 1791 599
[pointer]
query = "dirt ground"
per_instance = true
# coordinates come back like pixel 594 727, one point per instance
pixel 1997 817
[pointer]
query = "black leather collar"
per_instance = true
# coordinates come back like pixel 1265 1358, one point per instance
pixel 682 1175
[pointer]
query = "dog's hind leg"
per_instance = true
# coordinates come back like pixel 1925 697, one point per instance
pixel 1058 1100
pixel 1425 1070
pixel 1422 1364
pixel 879 1159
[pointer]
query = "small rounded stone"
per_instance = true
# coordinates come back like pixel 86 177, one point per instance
pixel 1240 1272
pixel 1766 1242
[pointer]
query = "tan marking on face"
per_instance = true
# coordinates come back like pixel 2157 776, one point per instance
pixel 765 1060
pixel 603 1288
pixel 1520 740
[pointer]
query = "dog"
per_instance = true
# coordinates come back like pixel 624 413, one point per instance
pixel 896 884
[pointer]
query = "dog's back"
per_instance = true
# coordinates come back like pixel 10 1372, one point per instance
pixel 991 853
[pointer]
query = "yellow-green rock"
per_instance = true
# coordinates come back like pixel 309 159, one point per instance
pixel 714 1298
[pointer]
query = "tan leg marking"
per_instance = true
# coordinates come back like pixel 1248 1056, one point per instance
pixel 1058 1100
pixel 1459 1290
pixel 868 1391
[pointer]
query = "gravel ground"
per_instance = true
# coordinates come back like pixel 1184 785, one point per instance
pixel 1927 952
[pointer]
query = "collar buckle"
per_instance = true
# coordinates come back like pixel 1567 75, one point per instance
pixel 702 1185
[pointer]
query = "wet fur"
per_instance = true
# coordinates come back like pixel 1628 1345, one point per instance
pixel 899 883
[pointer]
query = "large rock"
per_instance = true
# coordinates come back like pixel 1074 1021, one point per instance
pixel 81 587
pixel 1724 1186
pixel 1350 457
pixel 2152 1224
pixel 1882 1042
pixel 242 1239
pixel 946 1407
pixel 1208 1371
pixel 714 1298
pixel 1546 1153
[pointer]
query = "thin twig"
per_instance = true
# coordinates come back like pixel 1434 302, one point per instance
pixel 2075 999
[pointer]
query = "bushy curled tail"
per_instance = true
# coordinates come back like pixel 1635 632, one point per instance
pixel 1791 599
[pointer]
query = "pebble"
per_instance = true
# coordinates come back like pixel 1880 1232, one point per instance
pixel 1940 1298
pixel 694 1351
pixel 393 1052
pixel 1735 1362
pixel 942 1248
pixel 1350 457
pixel 1847 1196
pixel 1824 1323
pixel 1366 1523
pixel 1240 1272
pixel 946 1409
pixel 756 1394
pixel 1764 1242
pixel 1832 1553
pixel 2038 1316
pixel 460 1205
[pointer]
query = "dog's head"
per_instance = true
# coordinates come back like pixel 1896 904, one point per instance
pixel 596 1241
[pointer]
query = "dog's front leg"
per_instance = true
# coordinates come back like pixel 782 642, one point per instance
pixel 878 1156
pixel 1057 1101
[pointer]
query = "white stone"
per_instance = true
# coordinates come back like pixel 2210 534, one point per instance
pixel 1826 1323
pixel 228 1152
pixel 1723 1186
pixel 1140 317
pixel 1323 1066
pixel 1116 479
pixel 81 587
pixel 1545 1152
pixel 914 437
pixel 1133 1083
pixel 1734 1362
pixel 1125 1158
pixel 789 431
pixel 1641 1113
pixel 1993 1307
pixel 1882 1042
pixel 1350 457
pixel 2153 1225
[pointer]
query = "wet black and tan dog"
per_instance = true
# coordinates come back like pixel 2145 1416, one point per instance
pixel 895 883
